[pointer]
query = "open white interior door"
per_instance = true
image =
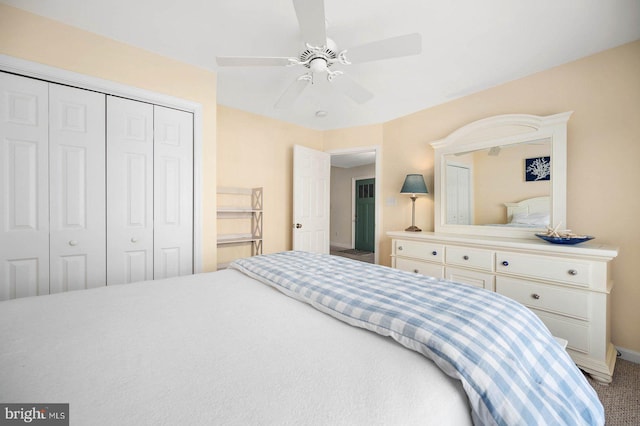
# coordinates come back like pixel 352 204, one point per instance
pixel 311 174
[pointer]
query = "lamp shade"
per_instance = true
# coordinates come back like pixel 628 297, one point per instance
pixel 414 184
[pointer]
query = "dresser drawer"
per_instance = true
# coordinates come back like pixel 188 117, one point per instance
pixel 563 301
pixel 566 271
pixel 469 257
pixel 419 250
pixel 420 267
pixel 575 332
pixel 467 276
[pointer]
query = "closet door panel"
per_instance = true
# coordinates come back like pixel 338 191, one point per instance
pixel 24 188
pixel 129 191
pixel 173 192
pixel 77 188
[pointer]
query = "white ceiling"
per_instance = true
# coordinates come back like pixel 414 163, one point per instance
pixel 467 45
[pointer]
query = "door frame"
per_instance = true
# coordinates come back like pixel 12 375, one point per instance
pixel 82 81
pixel 378 177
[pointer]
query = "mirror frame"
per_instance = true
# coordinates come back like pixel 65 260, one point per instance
pixel 501 130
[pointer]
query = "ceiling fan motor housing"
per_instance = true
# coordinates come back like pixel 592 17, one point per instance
pixel 311 54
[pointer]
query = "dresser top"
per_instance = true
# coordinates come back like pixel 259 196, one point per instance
pixel 589 248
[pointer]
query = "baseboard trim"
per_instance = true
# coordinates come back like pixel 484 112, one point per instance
pixel 629 355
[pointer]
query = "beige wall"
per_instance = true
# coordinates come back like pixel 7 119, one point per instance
pixel 31 37
pixel 256 151
pixel 341 202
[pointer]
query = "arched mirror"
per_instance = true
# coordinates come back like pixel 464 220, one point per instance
pixel 502 176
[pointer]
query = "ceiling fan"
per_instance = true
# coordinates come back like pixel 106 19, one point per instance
pixel 321 53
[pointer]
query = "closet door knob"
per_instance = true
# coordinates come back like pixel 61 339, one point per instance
pixel 435 253
pixel 73 243
pixel 572 272
pixel 505 263
pixel 134 240
pixel 465 257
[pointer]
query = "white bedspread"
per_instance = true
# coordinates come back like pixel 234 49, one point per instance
pixel 212 349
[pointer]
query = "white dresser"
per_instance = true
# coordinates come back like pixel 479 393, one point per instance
pixel 568 287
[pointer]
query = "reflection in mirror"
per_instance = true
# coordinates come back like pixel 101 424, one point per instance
pixel 502 176
pixel 483 185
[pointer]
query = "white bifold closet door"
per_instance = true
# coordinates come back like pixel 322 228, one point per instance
pixel 52 187
pixel 24 187
pixel 129 191
pixel 77 189
pixel 173 192
pixel 94 189
pixel 149 191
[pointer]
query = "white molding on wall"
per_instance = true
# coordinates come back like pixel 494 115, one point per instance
pixel 82 81
pixel 629 355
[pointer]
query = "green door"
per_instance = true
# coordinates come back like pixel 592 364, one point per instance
pixel 365 214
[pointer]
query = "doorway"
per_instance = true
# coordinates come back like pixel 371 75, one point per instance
pixel 354 207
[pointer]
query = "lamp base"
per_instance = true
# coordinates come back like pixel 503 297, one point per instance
pixel 413 228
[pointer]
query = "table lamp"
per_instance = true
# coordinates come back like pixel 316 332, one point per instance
pixel 414 185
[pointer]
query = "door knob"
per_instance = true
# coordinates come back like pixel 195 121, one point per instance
pixel 298 225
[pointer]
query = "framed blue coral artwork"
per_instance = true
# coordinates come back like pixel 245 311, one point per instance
pixel 537 169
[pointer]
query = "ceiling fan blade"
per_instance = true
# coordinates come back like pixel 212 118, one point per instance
pixel 292 93
pixel 251 61
pixel 354 90
pixel 410 44
pixel 310 15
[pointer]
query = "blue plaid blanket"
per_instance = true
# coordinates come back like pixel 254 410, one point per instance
pixel 513 371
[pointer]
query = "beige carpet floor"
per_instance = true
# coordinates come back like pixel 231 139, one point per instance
pixel 621 399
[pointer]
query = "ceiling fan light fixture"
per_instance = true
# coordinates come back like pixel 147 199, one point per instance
pixel 318 65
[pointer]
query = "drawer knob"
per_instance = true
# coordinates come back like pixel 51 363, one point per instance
pixel 535 296
pixel 465 257
pixel 434 253
pixel 73 243
pixel 505 263
pixel 416 271
pixel 400 248
pixel 573 272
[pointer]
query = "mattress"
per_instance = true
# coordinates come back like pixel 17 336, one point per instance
pixel 214 348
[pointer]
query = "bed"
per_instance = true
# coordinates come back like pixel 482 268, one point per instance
pixel 231 348
pixel 529 213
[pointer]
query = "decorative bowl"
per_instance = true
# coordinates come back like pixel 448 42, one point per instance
pixel 565 240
